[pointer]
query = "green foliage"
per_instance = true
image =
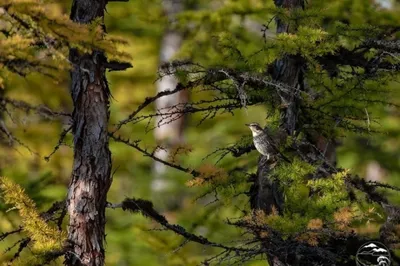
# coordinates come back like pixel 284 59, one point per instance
pixel 313 203
pixel 35 37
pixel 216 34
pixel 308 42
pixel 45 237
pixel 307 199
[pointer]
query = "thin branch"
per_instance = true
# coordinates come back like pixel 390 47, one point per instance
pixel 382 185
pixel 146 102
pixel 146 209
pixel 23 243
pixel 6 234
pixel 134 144
pixel 40 109
pixel 60 142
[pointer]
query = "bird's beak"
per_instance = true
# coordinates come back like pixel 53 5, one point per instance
pixel 247 125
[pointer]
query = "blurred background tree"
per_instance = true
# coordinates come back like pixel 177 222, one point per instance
pixel 228 33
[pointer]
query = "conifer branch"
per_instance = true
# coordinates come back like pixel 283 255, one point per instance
pixel 146 209
pixel 60 142
pixel 41 110
pixel 6 234
pixel 23 243
pixel 369 189
pixel 382 185
pixel 208 78
pixel 45 237
pixel 115 65
pixel 135 145
pixel 147 102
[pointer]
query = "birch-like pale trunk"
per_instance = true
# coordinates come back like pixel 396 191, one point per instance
pixel 168 133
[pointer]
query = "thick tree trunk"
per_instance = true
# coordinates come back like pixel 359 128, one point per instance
pixel 168 133
pixel 266 194
pixel 92 158
pixel 288 70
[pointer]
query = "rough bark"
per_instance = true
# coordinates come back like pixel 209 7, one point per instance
pixel 265 191
pixel 91 179
pixel 266 194
pixel 168 133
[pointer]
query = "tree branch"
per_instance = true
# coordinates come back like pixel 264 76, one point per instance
pixel 146 209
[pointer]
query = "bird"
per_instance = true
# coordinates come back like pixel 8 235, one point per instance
pixel 265 143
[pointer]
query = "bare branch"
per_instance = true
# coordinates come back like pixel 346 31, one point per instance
pixel 60 142
pixel 146 209
pixel 146 102
pixel 135 145
pixel 41 110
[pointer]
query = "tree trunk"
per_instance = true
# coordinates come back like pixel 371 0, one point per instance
pixel 168 133
pixel 91 179
pixel 266 194
pixel 288 70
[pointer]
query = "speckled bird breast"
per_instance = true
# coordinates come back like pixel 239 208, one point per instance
pixel 262 144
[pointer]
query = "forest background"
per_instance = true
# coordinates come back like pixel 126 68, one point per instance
pixel 130 238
